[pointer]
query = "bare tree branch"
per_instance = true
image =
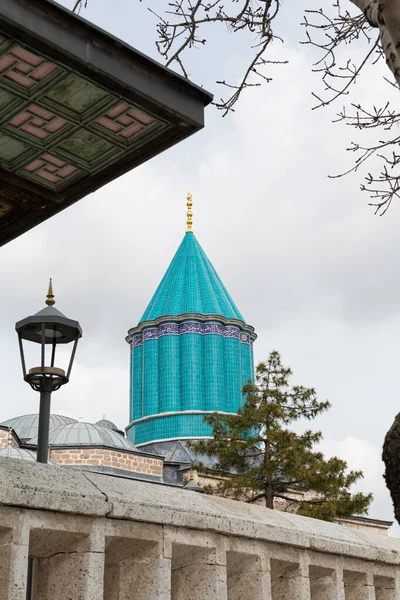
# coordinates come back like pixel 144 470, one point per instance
pixel 183 25
pixel 329 33
pixel 79 4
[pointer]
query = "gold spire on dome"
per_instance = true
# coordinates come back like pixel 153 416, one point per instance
pixel 189 213
pixel 50 296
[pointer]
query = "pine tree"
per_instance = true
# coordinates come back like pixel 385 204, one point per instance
pixel 256 456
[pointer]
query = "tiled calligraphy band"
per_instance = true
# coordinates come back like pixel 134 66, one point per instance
pixel 210 328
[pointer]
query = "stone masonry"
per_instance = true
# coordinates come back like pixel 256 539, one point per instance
pixel 95 537
pixel 119 459
pixel 4 439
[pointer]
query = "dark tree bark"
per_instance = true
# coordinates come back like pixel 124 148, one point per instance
pixel 391 458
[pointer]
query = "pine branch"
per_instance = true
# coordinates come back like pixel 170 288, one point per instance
pixel 277 462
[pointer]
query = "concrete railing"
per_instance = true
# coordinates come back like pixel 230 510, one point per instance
pixel 96 537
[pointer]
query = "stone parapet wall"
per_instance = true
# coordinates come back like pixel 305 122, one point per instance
pixel 129 461
pixel 96 537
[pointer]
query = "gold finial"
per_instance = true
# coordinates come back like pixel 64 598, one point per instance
pixel 50 296
pixel 189 213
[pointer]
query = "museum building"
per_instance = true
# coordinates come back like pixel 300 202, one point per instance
pixel 191 354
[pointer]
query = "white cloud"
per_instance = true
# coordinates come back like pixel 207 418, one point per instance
pixel 93 392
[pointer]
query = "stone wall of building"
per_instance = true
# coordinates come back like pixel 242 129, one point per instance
pixel 379 527
pixel 94 537
pixel 129 461
pixel 4 438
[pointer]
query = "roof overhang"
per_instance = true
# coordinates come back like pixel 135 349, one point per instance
pixel 78 108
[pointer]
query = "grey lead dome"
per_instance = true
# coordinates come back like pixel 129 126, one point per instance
pixel 107 424
pixel 86 434
pixel 20 453
pixel 26 426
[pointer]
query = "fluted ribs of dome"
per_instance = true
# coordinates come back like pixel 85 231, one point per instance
pixel 191 353
pixel 191 285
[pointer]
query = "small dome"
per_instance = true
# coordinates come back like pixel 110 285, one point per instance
pixel 19 453
pixel 26 426
pixel 87 434
pixel 107 425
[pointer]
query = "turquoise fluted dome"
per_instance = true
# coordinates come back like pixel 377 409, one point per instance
pixel 191 285
pixel 191 353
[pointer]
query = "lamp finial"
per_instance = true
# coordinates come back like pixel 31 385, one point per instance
pixel 189 213
pixel 50 296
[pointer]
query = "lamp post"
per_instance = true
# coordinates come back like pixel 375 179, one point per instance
pixel 48 328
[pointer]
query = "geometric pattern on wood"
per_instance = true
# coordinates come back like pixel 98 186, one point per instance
pixel 38 122
pixel 56 124
pixel 87 146
pixel 76 94
pixel 6 99
pixel 24 68
pixel 11 149
pixel 50 169
pixel 125 121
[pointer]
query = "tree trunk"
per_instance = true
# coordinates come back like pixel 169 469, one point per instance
pixel 385 15
pixel 269 497
pixel 391 458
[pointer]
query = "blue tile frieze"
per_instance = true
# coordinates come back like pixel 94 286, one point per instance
pixel 209 328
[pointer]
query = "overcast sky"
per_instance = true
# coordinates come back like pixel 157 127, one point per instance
pixel 303 256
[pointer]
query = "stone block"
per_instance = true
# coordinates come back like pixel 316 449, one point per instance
pixel 246 579
pixel 385 588
pixel 326 584
pixel 135 565
pixel 13 565
pixel 289 581
pixel 68 557
pixel 194 571
pixel 77 575
pixel 357 586
pixel 36 485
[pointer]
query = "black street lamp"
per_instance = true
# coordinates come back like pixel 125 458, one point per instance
pixel 49 327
